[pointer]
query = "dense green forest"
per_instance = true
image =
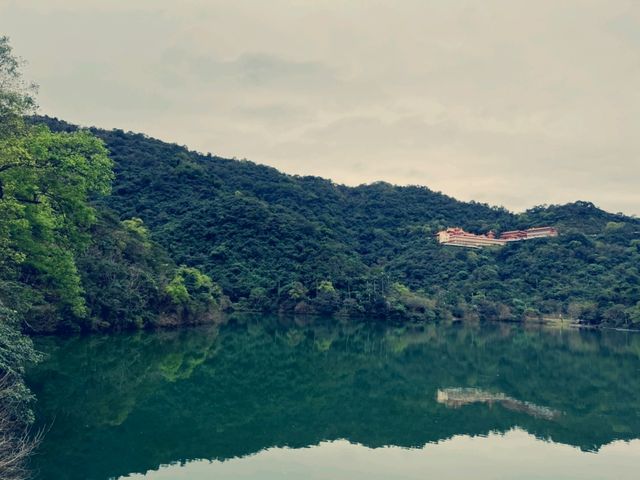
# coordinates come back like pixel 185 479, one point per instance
pixel 105 229
pixel 111 229
pixel 65 264
pixel 282 243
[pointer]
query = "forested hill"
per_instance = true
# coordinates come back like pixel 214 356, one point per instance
pixel 279 242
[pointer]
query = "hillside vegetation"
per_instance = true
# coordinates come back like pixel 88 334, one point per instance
pixel 276 242
pixel 106 230
pixel 65 263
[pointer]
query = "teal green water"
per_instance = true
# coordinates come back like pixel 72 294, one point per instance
pixel 264 398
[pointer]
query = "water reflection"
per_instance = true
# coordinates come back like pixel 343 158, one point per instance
pixel 514 455
pixel 457 397
pixel 125 404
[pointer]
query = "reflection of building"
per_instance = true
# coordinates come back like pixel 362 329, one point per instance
pixel 458 237
pixel 457 397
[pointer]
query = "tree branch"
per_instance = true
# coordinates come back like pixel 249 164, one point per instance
pixel 8 166
pixel 33 201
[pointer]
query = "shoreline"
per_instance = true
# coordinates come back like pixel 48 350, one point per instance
pixel 224 318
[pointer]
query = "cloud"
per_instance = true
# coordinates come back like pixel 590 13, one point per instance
pixel 259 69
pixel 511 102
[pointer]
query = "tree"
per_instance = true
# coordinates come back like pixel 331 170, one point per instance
pixel 16 95
pixel 297 291
pixel 46 179
pixel 327 299
pixel 15 101
pixel 193 293
pixel 46 185
pixel 16 350
pixel 634 315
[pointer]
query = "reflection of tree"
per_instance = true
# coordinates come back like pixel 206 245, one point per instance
pixel 150 399
pixel 457 397
pixel 109 374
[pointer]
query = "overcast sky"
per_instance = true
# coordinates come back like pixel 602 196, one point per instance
pixel 513 103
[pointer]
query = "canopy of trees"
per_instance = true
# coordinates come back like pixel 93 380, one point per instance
pixel 65 263
pixel 285 243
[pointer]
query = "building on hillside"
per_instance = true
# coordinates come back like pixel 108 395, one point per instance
pixel 458 237
pixel 514 235
pixel 541 232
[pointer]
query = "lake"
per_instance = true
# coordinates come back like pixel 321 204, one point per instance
pixel 273 398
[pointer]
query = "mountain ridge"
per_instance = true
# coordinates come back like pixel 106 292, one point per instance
pixel 278 242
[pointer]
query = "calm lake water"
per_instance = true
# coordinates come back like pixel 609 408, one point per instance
pixel 264 398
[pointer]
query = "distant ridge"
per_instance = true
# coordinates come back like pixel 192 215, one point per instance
pixel 278 242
